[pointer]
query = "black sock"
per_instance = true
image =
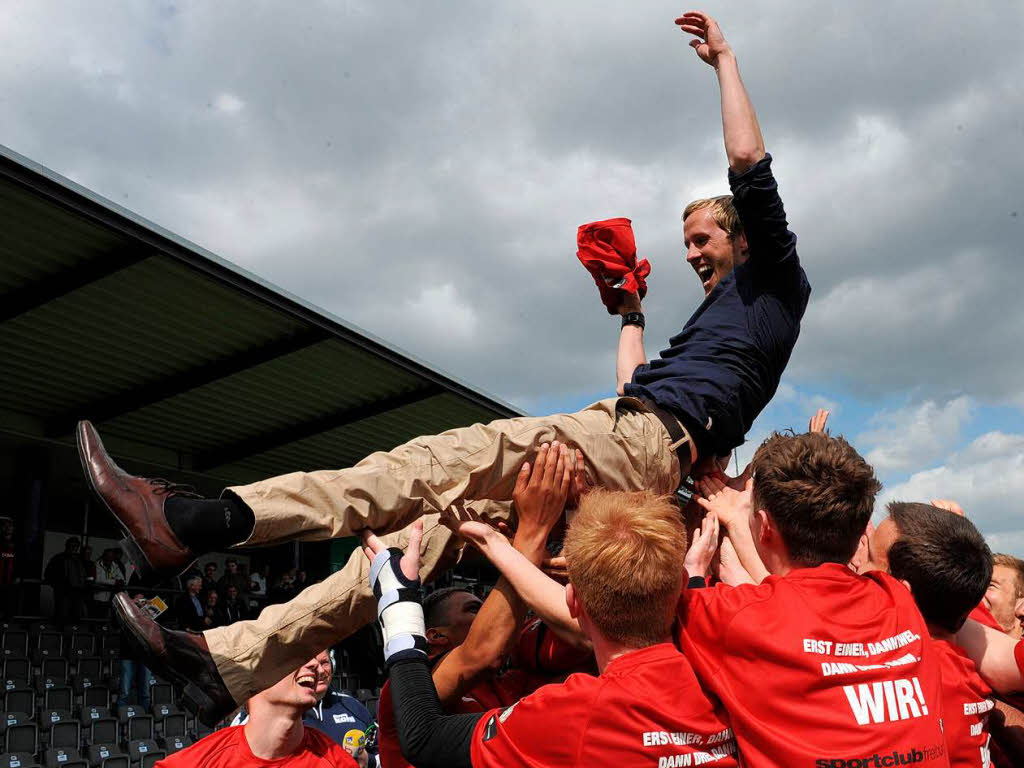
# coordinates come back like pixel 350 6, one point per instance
pixel 206 525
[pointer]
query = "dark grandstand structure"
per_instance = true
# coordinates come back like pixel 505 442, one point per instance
pixel 195 371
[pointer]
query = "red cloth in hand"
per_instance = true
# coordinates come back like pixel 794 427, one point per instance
pixel 608 251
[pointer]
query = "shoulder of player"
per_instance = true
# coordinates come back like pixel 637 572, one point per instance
pixel 204 753
pixel 322 745
pixel 727 602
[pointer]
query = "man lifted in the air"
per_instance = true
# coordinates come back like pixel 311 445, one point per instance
pixel 678 413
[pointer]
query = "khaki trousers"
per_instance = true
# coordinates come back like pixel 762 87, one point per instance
pixel 624 448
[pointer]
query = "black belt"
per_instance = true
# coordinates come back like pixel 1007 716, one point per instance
pixel 681 437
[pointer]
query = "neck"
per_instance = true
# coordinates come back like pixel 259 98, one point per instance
pixel 273 731
pixel 606 651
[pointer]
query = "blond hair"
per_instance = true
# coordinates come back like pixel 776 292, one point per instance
pixel 625 553
pixel 722 211
pixel 1009 561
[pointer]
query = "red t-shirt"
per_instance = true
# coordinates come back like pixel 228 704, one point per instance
pixel 966 704
pixel 821 667
pixel 228 748
pixel 647 708
pixel 542 651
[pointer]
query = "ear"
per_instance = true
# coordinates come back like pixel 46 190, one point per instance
pixel 765 528
pixel 572 601
pixel 742 249
pixel 436 637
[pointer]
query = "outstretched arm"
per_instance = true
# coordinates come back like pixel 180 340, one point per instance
pixel 540 592
pixel 993 653
pixel 631 345
pixel 744 145
pixel 539 499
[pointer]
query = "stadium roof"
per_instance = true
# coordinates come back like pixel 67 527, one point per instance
pixel 184 360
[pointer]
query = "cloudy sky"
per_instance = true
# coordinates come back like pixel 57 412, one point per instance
pixel 420 170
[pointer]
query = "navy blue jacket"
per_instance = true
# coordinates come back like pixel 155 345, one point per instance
pixel 337 714
pixel 724 366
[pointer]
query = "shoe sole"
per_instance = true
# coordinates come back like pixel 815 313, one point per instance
pixel 194 699
pixel 148 575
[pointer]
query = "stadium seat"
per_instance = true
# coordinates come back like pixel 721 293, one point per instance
pixel 139 748
pixel 96 696
pixel 58 698
pixel 98 754
pixel 15 642
pixel 17 672
pixel 48 644
pixel 81 644
pixel 86 714
pixel 53 673
pixel 18 760
pixel 175 736
pixel 140 727
pixel 110 647
pixel 104 730
pixel 50 718
pixel 126 712
pixel 148 761
pixel 363 694
pixel 88 672
pixel 60 757
pixel 23 739
pixel 116 760
pixel 8 719
pixel 20 700
pixel 371 707
pixel 66 733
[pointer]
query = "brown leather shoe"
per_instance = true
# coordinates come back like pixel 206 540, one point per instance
pixel 138 505
pixel 182 657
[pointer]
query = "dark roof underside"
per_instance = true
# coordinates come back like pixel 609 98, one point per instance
pixel 184 360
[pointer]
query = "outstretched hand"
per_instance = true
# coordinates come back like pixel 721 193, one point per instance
pixel 542 489
pixel 469 525
pixel 410 562
pixel 818 421
pixel 702 548
pixel 710 42
pixel 950 506
pixel 724 501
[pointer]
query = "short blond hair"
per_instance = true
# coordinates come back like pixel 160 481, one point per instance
pixel 1009 561
pixel 624 553
pixel 722 211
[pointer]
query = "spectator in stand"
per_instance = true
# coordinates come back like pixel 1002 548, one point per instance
pixel 107 572
pixel 1004 592
pixel 209 576
pixel 90 565
pixel 66 574
pixel 133 672
pixel 284 587
pixel 188 610
pixel 258 580
pixel 274 734
pixel 231 608
pixel 211 612
pixel 338 714
pixel 232 578
pixel 7 560
pixel 301 580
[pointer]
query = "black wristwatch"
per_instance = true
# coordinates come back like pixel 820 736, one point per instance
pixel 633 318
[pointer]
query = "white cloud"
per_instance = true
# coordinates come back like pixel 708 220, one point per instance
pixel 228 103
pixel 907 438
pixel 986 477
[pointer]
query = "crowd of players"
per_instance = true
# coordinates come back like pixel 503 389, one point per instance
pixel 764 622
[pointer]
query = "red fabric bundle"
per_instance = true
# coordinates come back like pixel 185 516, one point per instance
pixel 608 251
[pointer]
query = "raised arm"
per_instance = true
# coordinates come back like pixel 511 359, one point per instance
pixel 993 653
pixel 539 499
pixel 744 145
pixel 631 343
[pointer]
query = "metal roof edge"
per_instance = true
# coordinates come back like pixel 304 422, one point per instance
pixel 195 255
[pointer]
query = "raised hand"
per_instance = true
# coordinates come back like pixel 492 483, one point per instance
pixel 950 506
pixel 710 43
pixel 818 420
pixel 702 548
pixel 410 562
pixel 732 507
pixel 468 525
pixel 541 490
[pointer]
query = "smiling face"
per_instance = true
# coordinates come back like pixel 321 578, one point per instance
pixel 709 250
pixel 1001 598
pixel 303 688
